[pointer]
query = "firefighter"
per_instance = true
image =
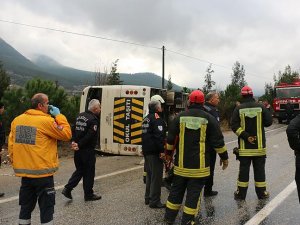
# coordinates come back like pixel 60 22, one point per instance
pixel 212 100
pixel 32 147
pixel 153 138
pixel 84 140
pixel 195 133
pixel 293 134
pixel 248 122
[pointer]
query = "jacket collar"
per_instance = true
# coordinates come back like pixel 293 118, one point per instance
pixel 35 112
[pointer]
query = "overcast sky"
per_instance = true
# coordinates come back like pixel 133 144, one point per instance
pixel 263 35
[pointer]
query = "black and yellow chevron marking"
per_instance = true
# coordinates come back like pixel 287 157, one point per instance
pixel 128 117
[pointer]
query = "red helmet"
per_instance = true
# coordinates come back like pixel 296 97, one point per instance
pixel 246 90
pixel 196 97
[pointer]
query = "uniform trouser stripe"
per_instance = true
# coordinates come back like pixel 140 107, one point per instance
pixel 173 206
pixel 260 184
pixel 189 211
pixel 24 222
pixel 242 184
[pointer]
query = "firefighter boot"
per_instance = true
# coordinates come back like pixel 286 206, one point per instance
pixel 67 193
pixel 240 193
pixel 262 193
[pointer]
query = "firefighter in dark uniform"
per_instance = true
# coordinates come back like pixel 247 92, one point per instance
pixel 195 133
pixel 211 102
pixel 248 122
pixel 293 134
pixel 153 138
pixel 84 141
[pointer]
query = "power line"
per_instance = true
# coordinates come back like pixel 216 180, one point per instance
pixel 78 34
pixel 205 61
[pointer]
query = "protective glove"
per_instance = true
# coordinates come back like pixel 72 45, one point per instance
pixel 224 163
pixel 54 111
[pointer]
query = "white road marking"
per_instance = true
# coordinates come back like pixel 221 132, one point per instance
pixel 96 178
pixel 266 211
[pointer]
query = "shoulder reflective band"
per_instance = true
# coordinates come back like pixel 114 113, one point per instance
pixel 193 123
pixel 250 112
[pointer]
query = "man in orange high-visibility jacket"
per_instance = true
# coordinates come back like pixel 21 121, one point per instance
pixel 32 147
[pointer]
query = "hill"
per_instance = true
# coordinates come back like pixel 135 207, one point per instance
pixel 22 69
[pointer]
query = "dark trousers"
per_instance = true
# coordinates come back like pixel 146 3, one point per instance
pixel 210 179
pixel 84 160
pixel 193 186
pixel 35 190
pixel 259 175
pixel 1 145
pixel 297 175
pixel 154 168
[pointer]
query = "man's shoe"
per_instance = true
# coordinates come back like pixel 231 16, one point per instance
pixel 1 195
pixel 93 198
pixel 158 206
pixel 210 193
pixel 67 193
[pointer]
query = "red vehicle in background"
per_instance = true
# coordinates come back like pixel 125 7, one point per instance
pixel 287 100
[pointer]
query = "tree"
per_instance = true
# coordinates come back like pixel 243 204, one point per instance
pixel 186 90
pixel 114 76
pixel 4 80
pixel 269 93
pixel 169 84
pixel 17 100
pixel 288 76
pixel 209 83
pixel 101 78
pixel 238 76
pixel 231 95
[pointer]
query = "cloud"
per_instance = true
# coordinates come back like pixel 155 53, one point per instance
pixel 262 35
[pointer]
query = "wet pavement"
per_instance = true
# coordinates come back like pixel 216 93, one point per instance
pixel 122 192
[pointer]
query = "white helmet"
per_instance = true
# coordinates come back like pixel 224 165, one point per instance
pixel 157 98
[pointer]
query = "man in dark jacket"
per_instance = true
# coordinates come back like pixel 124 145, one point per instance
pixel 248 122
pixel 194 132
pixel 84 141
pixel 2 134
pixel 211 102
pixel 293 134
pixel 153 138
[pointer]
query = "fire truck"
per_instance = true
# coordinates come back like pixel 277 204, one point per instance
pixel 123 108
pixel 287 98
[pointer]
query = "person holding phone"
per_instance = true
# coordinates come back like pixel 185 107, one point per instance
pixel 32 147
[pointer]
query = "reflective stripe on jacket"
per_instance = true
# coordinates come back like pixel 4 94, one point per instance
pixel 198 133
pixel 32 143
pixel 249 119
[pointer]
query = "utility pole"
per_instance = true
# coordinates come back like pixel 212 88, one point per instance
pixel 163 68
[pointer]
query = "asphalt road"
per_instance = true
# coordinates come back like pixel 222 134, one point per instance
pixel 119 181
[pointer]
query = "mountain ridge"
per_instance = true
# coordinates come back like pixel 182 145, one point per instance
pixel 21 69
